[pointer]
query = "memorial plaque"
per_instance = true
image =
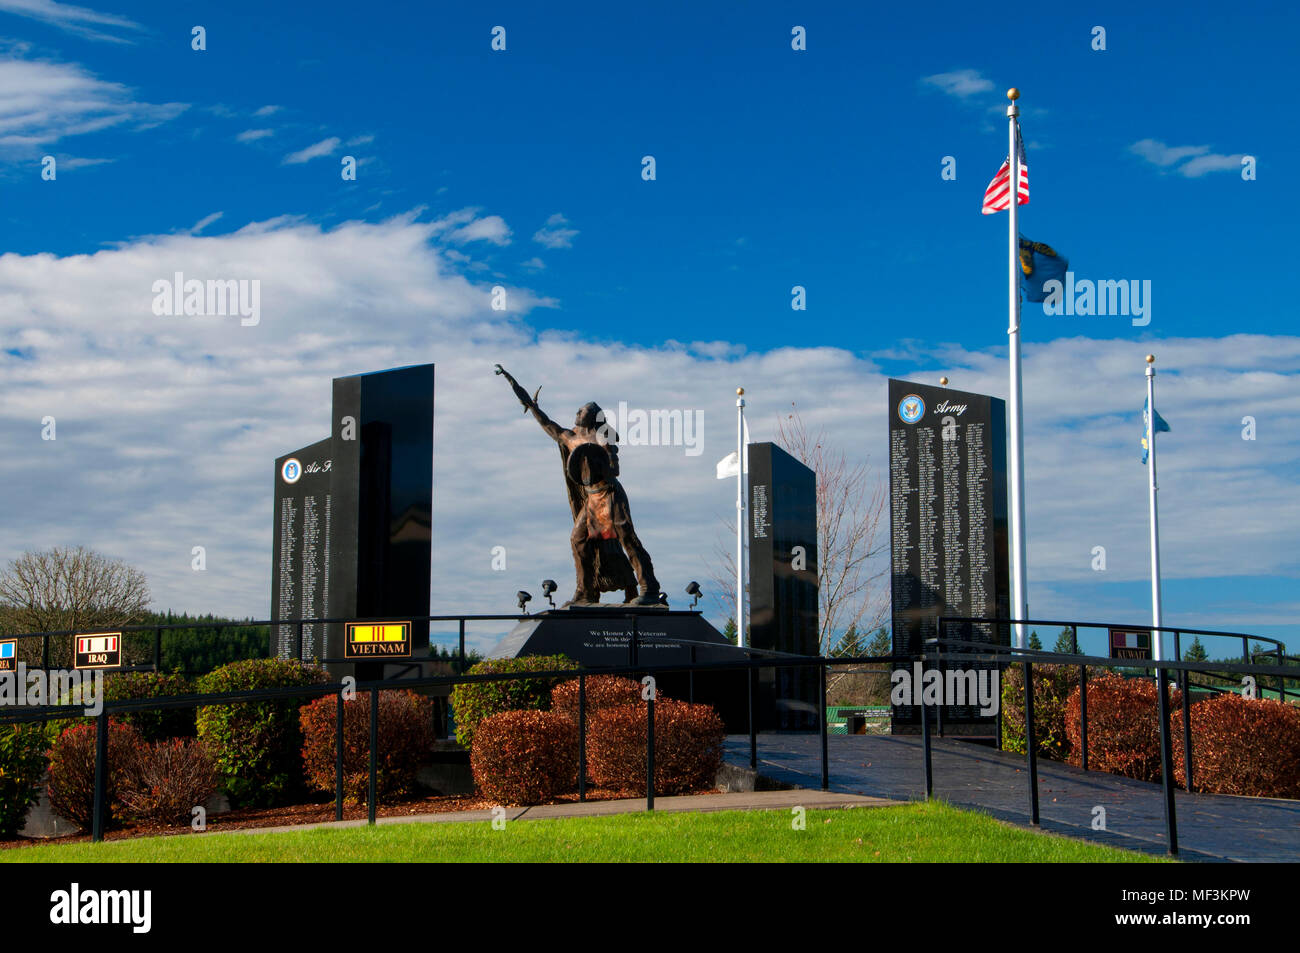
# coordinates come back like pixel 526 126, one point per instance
pixel 101 650
pixel 377 640
pixel 783 609
pixel 1130 643
pixel 600 640
pixel 948 529
pixel 9 655
pixel 301 549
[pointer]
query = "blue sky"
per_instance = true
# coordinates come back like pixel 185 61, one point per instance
pixel 775 168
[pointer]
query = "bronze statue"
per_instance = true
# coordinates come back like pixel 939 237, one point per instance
pixel 607 554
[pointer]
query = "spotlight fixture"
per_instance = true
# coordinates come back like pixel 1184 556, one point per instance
pixel 524 598
pixel 693 589
pixel 548 587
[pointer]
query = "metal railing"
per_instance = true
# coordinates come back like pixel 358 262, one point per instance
pixel 936 651
pixel 970 650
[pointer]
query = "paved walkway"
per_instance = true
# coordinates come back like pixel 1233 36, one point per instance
pixel 1210 827
pixel 698 803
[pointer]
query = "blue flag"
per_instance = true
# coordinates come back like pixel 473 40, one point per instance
pixel 1039 263
pixel 1161 427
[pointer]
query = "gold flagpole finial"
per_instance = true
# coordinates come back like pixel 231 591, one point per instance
pixel 943 382
pixel 1151 358
pixel 1013 94
pixel 740 392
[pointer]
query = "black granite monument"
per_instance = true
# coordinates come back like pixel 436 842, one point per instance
pixel 783 611
pixel 354 515
pixel 948 529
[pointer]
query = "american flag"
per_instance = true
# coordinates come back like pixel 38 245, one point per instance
pixel 996 196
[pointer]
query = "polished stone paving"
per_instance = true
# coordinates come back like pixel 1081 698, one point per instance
pixel 1210 827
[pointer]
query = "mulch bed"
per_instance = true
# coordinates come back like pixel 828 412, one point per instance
pixel 249 818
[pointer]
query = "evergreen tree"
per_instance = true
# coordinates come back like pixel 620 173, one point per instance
pixel 729 631
pixel 1065 641
pixel 880 643
pixel 850 644
pixel 1195 652
pixel 1034 642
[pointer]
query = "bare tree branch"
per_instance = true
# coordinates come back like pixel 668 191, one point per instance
pixel 851 501
pixel 70 589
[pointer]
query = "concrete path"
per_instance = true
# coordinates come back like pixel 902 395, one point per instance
pixel 1210 827
pixel 699 803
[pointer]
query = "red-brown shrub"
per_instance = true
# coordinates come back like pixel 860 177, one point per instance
pixel 405 739
pixel 1248 746
pixel 72 771
pixel 166 780
pixel 1123 726
pixel 688 747
pixel 602 691
pixel 525 757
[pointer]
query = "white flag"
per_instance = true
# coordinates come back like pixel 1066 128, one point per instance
pixel 727 465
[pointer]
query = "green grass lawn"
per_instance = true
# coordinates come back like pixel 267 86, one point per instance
pixel 912 832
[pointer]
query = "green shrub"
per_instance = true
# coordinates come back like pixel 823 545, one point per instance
pixel 22 765
pixel 257 745
pixel 525 757
pixel 72 771
pixel 165 781
pixel 159 724
pixel 1052 687
pixel 688 747
pixel 471 702
pixel 405 740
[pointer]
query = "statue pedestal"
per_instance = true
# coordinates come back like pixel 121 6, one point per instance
pixel 598 638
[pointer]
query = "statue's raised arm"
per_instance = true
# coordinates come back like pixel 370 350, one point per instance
pixel 554 430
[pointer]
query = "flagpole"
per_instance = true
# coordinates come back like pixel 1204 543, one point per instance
pixel 1156 634
pixel 1019 603
pixel 740 517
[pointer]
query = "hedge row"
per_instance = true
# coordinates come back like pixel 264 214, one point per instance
pixel 531 756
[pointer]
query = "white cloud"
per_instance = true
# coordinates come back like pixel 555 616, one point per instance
pixel 533 264
pixel 43 102
pixel 204 222
pixel 490 228
pixel 167 426
pixel 252 135
pixel 81 162
pixel 267 111
pixel 79 20
pixel 323 148
pixel 1197 160
pixel 1157 153
pixel 361 140
pixel 961 83
pixel 1211 163
pixel 554 234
